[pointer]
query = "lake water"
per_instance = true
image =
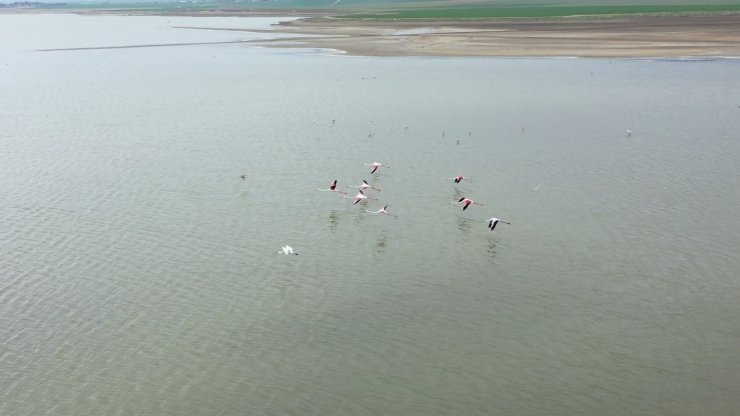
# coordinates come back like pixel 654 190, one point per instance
pixel 138 272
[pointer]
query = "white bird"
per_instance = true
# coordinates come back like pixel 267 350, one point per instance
pixel 382 211
pixel 492 222
pixel 332 188
pixel 364 185
pixel 359 197
pixel 375 166
pixel 287 250
pixel 629 132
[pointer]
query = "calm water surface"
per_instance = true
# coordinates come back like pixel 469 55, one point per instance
pixel 138 272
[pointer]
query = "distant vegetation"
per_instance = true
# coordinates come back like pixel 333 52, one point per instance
pixel 22 4
pixel 419 9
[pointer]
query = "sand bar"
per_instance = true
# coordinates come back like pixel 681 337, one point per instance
pixel 614 37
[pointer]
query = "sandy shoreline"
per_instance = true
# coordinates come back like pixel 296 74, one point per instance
pixel 617 37
pixel 625 36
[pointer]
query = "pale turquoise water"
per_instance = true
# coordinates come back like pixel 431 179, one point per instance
pixel 138 274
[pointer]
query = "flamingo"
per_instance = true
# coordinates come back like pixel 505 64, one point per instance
pixel 375 166
pixel 364 185
pixel 458 178
pixel 359 197
pixel 466 202
pixel 287 250
pixel 382 211
pixel 492 222
pixel 332 188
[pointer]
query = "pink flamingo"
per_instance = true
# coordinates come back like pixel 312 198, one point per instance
pixel 375 166
pixel 383 211
pixel 364 185
pixel 466 202
pixel 359 197
pixel 332 188
pixel 458 178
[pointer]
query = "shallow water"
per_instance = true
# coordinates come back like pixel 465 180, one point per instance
pixel 139 274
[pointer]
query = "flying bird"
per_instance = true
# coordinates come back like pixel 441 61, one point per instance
pixel 359 197
pixel 375 166
pixel 382 211
pixel 492 222
pixel 287 250
pixel 243 177
pixel 364 185
pixel 466 202
pixel 458 178
pixel 332 188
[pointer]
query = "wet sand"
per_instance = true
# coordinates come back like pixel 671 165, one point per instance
pixel 615 37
